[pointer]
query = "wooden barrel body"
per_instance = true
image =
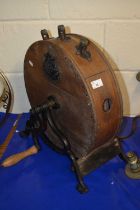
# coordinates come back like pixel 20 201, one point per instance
pixel 85 87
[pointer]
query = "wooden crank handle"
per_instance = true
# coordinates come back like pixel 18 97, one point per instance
pixel 14 159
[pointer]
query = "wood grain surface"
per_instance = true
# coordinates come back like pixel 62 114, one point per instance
pixel 81 115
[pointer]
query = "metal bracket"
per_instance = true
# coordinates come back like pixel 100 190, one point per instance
pixel 44 34
pixel 50 67
pixel 62 33
pixel 82 49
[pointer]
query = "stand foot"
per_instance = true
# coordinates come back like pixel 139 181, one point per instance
pixel 82 188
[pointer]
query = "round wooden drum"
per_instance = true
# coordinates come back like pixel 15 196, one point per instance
pixel 75 71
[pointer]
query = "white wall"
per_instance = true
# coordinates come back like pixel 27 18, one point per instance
pixel 114 24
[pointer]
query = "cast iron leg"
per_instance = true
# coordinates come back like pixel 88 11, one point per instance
pixel 81 187
pixel 35 139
